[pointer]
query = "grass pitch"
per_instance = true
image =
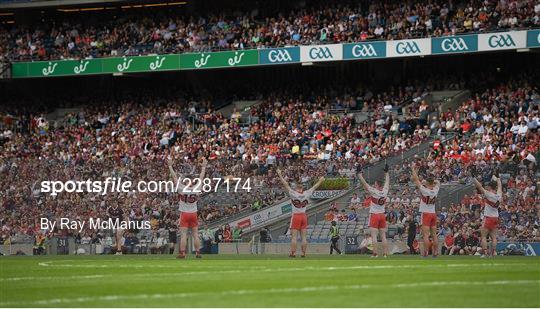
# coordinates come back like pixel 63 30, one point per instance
pixel 268 281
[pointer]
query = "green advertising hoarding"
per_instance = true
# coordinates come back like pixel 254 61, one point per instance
pixel 141 64
pixel 63 68
pixel 227 59
pixel 96 66
pixel 219 59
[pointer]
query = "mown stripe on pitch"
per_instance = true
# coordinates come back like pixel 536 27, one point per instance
pixel 267 291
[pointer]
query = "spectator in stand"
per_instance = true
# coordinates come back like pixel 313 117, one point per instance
pixel 218 235
pixel 448 244
pixel 227 233
pixel 158 244
pixel 39 244
pixel 366 245
pixel 237 234
pixel 355 202
pixel 472 244
pixel 412 229
pixel 329 216
pixel 265 235
pixel 342 216
pixel 206 238
pixel 459 245
pixel 353 217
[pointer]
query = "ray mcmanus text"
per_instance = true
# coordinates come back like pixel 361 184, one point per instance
pixel 93 224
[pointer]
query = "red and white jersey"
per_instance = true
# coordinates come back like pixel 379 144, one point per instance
pixel 299 201
pixel 491 204
pixel 427 198
pixel 188 199
pixel 377 199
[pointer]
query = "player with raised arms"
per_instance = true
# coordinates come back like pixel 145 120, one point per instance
pixel 187 207
pixel 429 189
pixel 377 217
pixel 492 199
pixel 300 201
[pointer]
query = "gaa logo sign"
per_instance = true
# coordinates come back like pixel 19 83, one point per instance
pixel 407 48
pixel 366 50
pixel 320 53
pixel 501 40
pixel 279 55
pixel 455 44
pixel 257 219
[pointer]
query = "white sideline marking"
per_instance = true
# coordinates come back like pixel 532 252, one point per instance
pixel 122 264
pixel 263 268
pixel 257 269
pixel 264 291
pixel 53 278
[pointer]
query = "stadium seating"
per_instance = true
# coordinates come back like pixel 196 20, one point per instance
pixel 495 129
pixel 169 31
pixel 94 119
pixel 278 94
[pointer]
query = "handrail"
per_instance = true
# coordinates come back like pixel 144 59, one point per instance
pixel 5 66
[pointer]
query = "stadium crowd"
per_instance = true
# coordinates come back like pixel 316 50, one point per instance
pixel 133 138
pixel 155 31
pixel 497 130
